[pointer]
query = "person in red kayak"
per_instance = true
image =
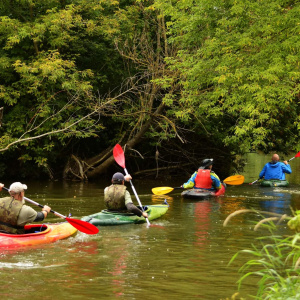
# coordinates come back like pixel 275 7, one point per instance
pixel 204 178
pixel 117 198
pixel 14 214
pixel 275 169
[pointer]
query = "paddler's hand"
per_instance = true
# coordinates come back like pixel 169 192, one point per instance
pixel 46 210
pixel 144 214
pixel 285 162
pixel 127 177
pixel 1 186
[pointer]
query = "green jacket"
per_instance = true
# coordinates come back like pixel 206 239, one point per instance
pixel 114 197
pixel 9 213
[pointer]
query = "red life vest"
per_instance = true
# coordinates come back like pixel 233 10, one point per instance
pixel 203 180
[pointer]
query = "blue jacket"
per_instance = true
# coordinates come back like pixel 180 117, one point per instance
pixel 275 171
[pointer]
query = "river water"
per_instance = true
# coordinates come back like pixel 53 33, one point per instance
pixel 186 257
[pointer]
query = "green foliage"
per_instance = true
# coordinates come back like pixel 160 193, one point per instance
pixel 53 56
pixel 294 223
pixel 239 69
pixel 227 70
pixel 58 56
pixel 276 265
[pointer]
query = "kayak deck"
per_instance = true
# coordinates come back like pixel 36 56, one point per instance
pixel 37 234
pixel 199 194
pixel 109 218
pixel 274 182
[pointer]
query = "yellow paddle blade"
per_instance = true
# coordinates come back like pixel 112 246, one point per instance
pixel 162 190
pixel 234 180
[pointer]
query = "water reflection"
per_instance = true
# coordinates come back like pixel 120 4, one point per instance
pixel 183 261
pixel 231 204
pixel 280 201
pixel 202 223
pixel 295 202
pixel 88 247
pixel 119 264
pixel 159 199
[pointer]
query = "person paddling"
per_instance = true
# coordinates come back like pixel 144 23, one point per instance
pixel 116 196
pixel 275 169
pixel 14 214
pixel 204 178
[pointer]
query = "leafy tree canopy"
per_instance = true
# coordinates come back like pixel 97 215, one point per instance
pixel 54 56
pixel 239 70
pixel 76 76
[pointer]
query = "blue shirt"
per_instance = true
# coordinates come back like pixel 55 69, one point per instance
pixel 275 171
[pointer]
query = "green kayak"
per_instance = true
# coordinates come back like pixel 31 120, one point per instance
pixel 274 182
pixel 108 218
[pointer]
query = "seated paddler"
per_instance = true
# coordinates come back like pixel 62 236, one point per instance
pixel 14 214
pixel 275 169
pixel 204 178
pixel 117 198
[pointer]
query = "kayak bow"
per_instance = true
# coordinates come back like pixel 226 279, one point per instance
pixel 37 234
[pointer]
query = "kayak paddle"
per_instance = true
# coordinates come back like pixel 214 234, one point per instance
pixel 231 180
pixel 297 155
pixel 164 190
pixel 120 159
pixel 254 181
pixel 234 180
pixel 80 225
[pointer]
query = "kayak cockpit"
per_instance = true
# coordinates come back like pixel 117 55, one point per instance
pixel 30 230
pixel 117 212
pixel 36 228
pixel 122 212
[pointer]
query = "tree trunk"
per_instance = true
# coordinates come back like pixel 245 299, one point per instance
pixel 1 115
pixel 100 169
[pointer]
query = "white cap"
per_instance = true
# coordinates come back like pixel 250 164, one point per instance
pixel 17 187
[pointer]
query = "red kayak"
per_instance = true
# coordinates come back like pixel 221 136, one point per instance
pixel 37 234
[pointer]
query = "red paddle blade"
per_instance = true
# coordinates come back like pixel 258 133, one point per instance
pixel 83 226
pixel 157 226
pixel 298 154
pixel 119 156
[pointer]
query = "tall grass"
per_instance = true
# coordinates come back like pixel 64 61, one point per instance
pixel 275 263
